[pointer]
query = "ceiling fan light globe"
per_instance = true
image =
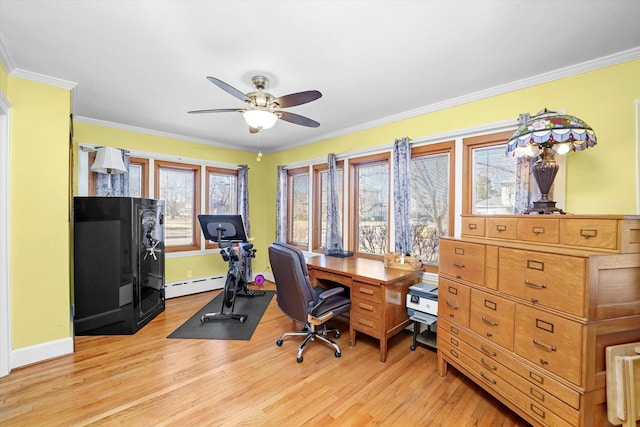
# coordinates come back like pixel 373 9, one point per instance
pixel 260 119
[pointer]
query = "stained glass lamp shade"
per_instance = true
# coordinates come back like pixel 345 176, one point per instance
pixel 543 135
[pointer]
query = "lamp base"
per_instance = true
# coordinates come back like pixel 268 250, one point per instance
pixel 545 207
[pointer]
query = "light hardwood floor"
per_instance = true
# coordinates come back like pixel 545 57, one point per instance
pixel 148 380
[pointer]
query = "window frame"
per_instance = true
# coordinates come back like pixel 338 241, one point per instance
pixel 163 164
pixel 144 174
pixel 219 171
pixel 354 165
pixel 291 173
pixel 317 203
pixel 468 145
pixel 445 147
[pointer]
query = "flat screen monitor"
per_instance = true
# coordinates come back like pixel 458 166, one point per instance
pixel 231 227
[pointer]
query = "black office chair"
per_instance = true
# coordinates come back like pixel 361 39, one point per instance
pixel 299 300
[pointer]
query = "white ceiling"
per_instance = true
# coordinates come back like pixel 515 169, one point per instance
pixel 144 63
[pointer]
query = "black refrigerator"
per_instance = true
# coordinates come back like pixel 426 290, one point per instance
pixel 118 264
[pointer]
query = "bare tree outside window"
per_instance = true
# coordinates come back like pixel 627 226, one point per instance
pixel 176 188
pixel 299 209
pixel 373 208
pixel 222 193
pixel 429 204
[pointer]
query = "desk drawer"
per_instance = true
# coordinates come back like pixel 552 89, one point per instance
pixel 590 233
pixel 473 226
pixel 370 325
pixel 539 230
pixel 333 277
pixel 367 291
pixel 366 307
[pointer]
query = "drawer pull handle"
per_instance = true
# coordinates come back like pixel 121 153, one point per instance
pixel 366 291
pixel 544 346
pixel 490 353
pixel 587 233
pixel 486 365
pixel 365 323
pixel 537 230
pixel 455 307
pixel 366 307
pixel 486 378
pixel 535 393
pixel 489 322
pixel 473 226
pixel 535 285
pixel 500 228
pixel 456 265
pixel 544 362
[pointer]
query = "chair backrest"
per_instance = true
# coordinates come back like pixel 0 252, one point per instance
pixel 293 287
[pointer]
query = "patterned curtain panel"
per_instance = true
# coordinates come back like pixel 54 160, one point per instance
pixel 243 209
pixel 119 182
pixel 401 194
pixel 281 205
pixel 333 235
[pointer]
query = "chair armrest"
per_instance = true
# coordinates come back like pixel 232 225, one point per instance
pixel 331 292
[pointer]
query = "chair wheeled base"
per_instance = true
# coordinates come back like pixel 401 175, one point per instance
pixel 311 335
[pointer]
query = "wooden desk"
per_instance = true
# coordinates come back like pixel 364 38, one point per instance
pixel 378 294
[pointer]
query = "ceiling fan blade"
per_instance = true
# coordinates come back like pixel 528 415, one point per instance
pixel 299 98
pixel 229 89
pixel 218 110
pixel 297 119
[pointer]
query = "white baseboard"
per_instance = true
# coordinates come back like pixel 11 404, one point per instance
pixel 193 286
pixel 41 352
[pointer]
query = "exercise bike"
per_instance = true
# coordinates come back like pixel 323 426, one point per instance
pixel 230 230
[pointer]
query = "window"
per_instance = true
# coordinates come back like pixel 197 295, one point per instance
pixel 178 185
pixel 222 191
pixel 320 179
pixel 138 177
pixel 431 198
pixel 370 205
pixel 298 207
pixel 490 176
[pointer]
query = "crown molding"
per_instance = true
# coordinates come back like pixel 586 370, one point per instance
pixel 583 67
pixel 5 58
pixel 153 132
pixel 42 78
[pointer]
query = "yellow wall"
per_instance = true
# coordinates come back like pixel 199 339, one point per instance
pixel 40 306
pixel 599 181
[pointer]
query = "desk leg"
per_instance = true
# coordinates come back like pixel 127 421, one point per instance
pixel 352 336
pixel 383 350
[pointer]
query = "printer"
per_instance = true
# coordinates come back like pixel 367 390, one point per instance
pixel 422 307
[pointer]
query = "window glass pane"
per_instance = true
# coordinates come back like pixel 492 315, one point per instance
pixel 176 188
pixel 223 194
pixel 373 208
pixel 324 179
pixel 135 180
pixel 299 196
pixel 429 204
pixel 494 181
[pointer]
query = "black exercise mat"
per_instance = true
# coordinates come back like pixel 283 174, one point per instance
pixel 254 307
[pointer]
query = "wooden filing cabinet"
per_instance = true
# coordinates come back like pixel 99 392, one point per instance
pixel 530 304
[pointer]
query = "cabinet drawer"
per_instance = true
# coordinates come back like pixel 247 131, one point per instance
pixel 502 228
pixel 371 326
pixel 556 281
pixel 590 233
pixel 549 341
pixel 366 307
pixel 454 335
pixel 462 260
pixel 366 291
pixel 453 301
pixel 492 317
pixel 539 230
pixel 473 226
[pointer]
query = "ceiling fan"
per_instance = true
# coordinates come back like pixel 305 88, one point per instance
pixel 263 108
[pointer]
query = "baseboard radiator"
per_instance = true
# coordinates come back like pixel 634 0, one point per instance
pixel 193 286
